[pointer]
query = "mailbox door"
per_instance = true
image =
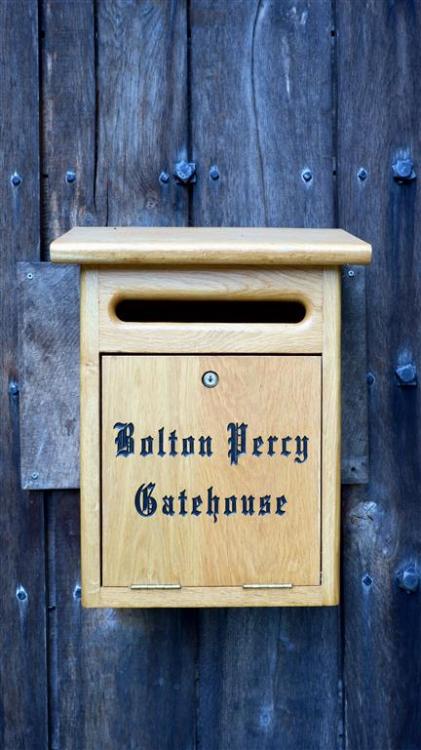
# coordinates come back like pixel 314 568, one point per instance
pixel 210 486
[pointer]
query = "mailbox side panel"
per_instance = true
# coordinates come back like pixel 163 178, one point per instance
pixel 331 436
pixel 90 440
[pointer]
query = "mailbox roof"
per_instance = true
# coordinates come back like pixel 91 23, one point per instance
pixel 209 246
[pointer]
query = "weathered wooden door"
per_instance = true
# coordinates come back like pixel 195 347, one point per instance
pixel 296 112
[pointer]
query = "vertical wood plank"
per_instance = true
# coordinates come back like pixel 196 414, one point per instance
pixel 379 98
pixel 118 678
pixel 262 113
pixel 141 111
pixel 23 712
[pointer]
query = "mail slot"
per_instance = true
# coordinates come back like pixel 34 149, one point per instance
pixel 210 414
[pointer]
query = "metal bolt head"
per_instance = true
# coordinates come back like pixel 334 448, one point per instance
pixel 34 475
pixel 370 378
pixel 164 177
pixel 307 175
pixel 214 172
pixel 70 176
pixel 210 379
pixel 362 174
pixel 16 179
pixel 30 275
pixel 403 170
pixel 408 580
pixel 351 273
pixel 406 374
pixel 185 172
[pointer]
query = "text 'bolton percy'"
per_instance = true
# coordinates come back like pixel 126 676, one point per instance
pixel 239 443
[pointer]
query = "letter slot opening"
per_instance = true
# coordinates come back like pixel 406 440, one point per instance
pixel 210 311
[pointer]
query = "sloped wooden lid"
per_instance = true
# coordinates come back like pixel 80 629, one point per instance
pixel 209 246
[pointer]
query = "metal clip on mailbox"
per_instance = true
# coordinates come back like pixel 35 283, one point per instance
pixel 210 414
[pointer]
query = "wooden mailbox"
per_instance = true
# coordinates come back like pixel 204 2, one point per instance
pixel 210 414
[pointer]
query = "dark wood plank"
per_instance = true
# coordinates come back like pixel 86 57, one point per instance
pixel 23 711
pixel 118 678
pixel 354 463
pixel 50 362
pixel 378 109
pixel 142 112
pixel 262 113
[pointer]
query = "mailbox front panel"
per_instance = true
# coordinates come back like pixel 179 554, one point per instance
pixel 210 486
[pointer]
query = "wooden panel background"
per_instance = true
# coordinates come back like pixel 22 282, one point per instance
pixel 291 100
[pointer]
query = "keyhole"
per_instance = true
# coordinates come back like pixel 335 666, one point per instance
pixel 210 379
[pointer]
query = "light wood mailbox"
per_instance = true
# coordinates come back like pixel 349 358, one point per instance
pixel 210 414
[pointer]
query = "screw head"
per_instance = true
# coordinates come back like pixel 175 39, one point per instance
pixel 16 179
pixel 164 177
pixel 21 594
pixel 351 273
pixel 70 176
pixel 406 374
pixel 362 174
pixel 403 170
pixel 307 175
pixel 370 378
pixel 210 379
pixel 214 172
pixel 34 475
pixel 30 275
pixel 408 580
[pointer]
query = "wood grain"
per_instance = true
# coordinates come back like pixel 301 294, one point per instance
pixel 207 246
pixel 272 395
pixel 23 709
pixel 382 525
pixel 50 370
